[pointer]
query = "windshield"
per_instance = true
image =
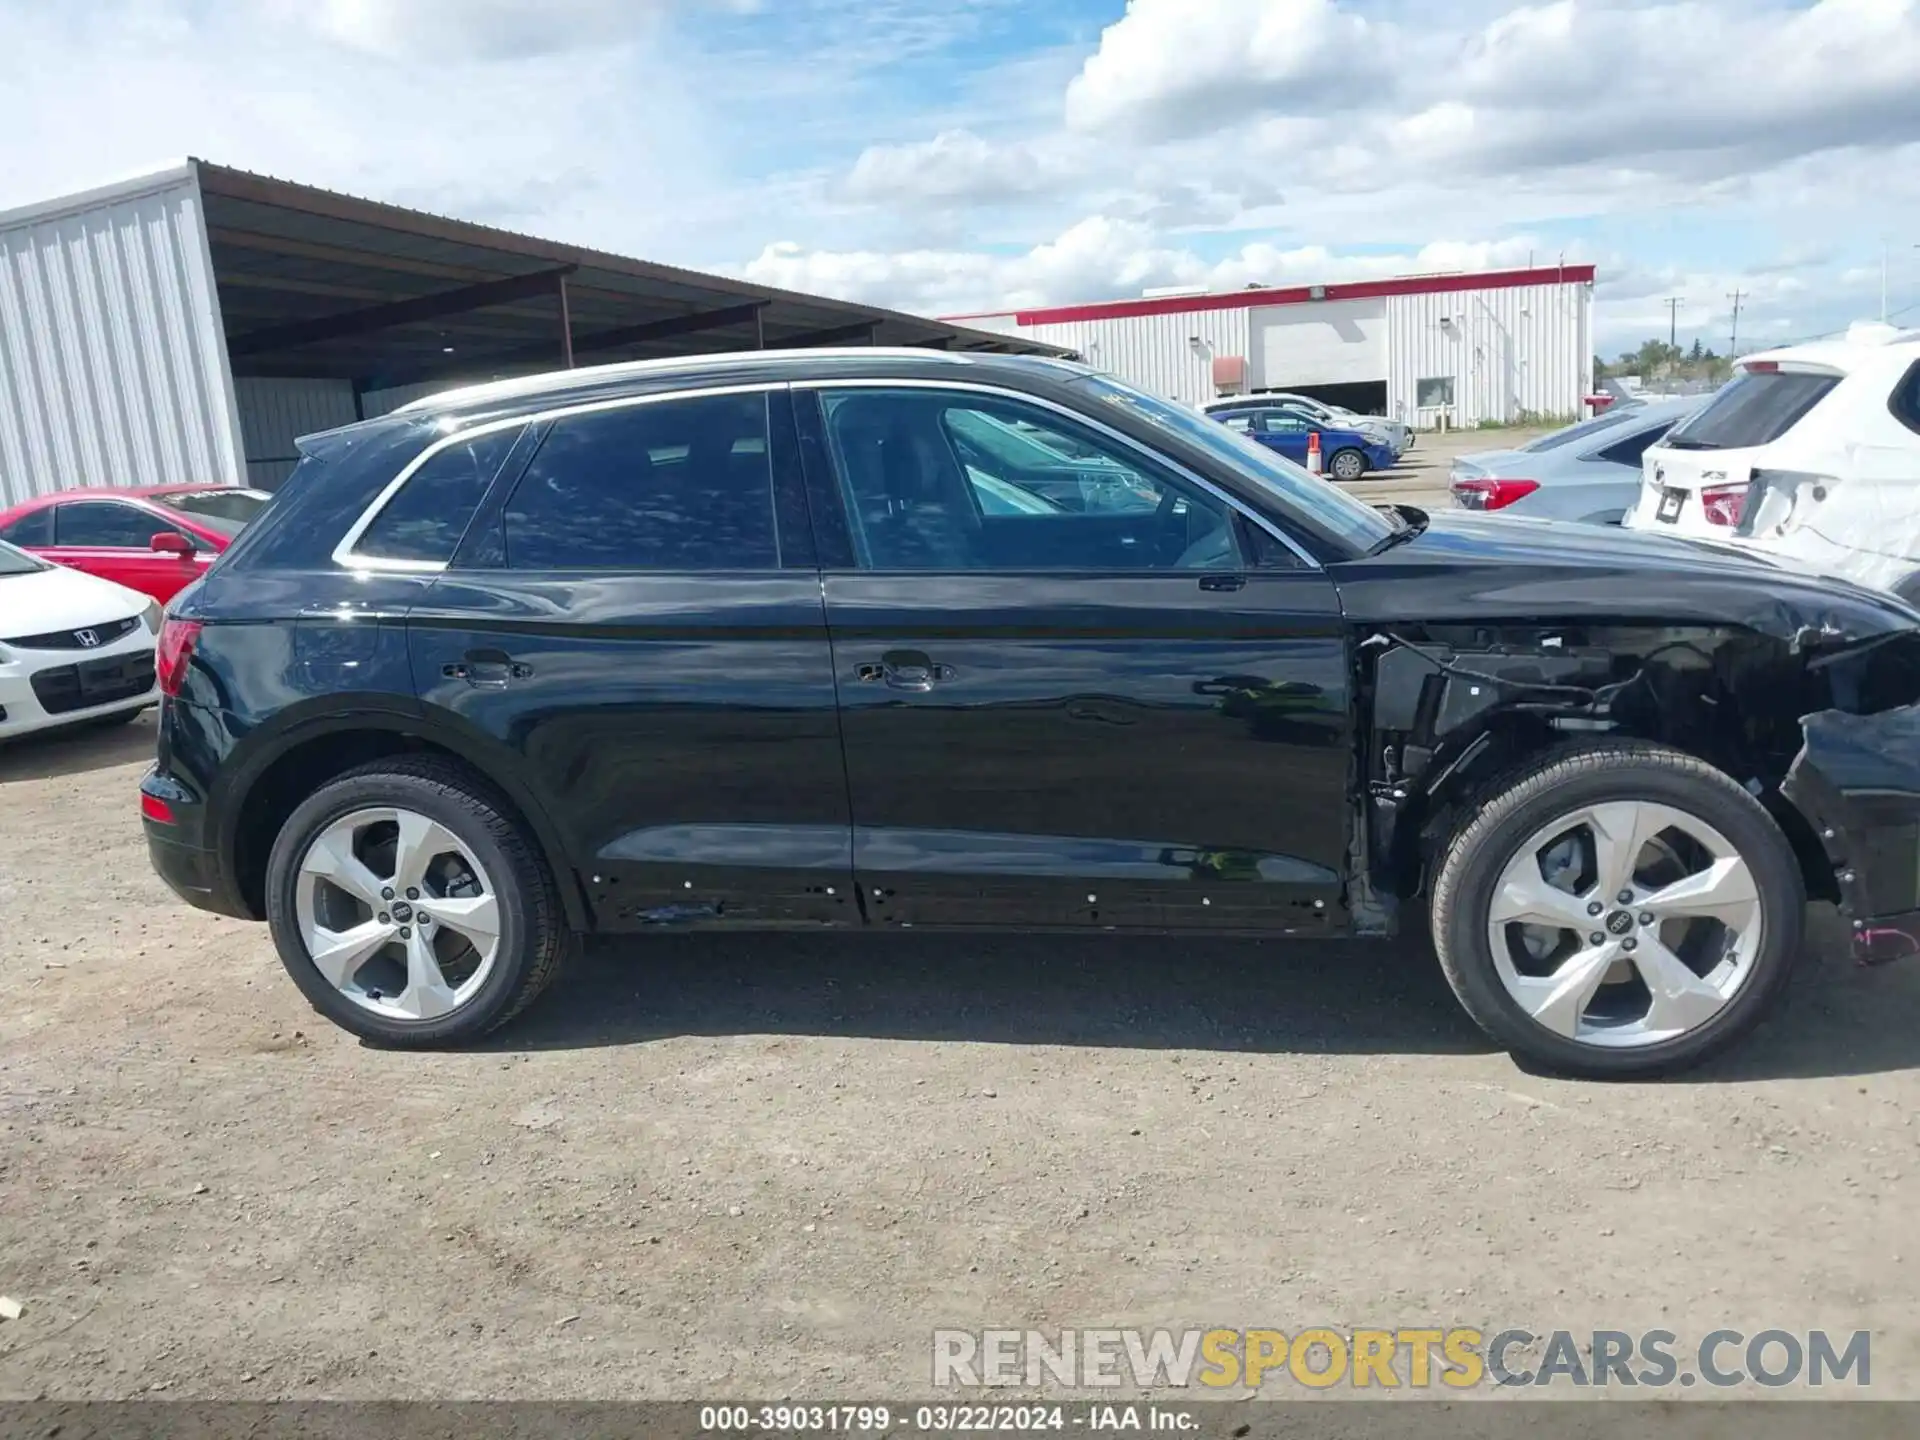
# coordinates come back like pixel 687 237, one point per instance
pixel 226 509
pixel 1605 420
pixel 1754 408
pixel 1357 525
pixel 17 562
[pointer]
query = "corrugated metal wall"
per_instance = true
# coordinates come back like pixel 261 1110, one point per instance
pixel 1156 352
pixel 276 413
pixel 1523 350
pixel 1506 350
pixel 113 363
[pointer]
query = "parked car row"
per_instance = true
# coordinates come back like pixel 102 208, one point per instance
pixel 1396 435
pixel 1810 452
pixel 83 578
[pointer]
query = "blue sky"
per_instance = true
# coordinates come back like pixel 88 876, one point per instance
pixel 958 155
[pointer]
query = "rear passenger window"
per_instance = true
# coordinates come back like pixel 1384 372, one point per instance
pixel 1628 451
pixel 426 519
pixel 1905 400
pixel 35 528
pixel 669 485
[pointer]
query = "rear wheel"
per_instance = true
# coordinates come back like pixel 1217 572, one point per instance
pixel 1347 465
pixel 1617 910
pixel 409 908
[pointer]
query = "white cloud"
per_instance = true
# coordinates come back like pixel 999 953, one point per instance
pixel 1178 67
pixel 1097 258
pixel 1699 144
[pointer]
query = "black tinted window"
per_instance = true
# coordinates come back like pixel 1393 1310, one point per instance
pixel 107 523
pixel 1752 409
pixel 34 529
pixel 426 519
pixel 1629 448
pixel 964 482
pixel 673 485
pixel 1905 400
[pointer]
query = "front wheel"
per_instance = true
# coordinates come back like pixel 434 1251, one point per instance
pixel 1347 465
pixel 1618 910
pixel 409 907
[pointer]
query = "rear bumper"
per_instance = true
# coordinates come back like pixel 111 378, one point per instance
pixel 188 867
pixel 1857 780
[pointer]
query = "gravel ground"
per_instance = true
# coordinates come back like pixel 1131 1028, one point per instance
pixel 725 1166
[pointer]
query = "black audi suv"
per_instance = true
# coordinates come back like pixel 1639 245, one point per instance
pixel 905 638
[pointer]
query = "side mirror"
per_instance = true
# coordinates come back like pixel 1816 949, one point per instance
pixel 172 542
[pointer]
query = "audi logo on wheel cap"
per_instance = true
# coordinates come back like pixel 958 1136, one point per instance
pixel 87 638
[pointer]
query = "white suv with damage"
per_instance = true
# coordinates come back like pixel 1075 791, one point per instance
pixel 1810 452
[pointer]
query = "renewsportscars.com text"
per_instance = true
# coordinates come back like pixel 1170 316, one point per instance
pixel 1457 1357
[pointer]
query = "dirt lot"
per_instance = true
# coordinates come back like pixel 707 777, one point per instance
pixel 726 1166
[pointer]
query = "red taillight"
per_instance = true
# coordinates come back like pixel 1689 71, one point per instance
pixel 170 659
pixel 1761 367
pixel 1723 504
pixel 1492 494
pixel 156 809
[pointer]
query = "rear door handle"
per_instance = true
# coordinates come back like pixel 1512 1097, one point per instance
pixel 905 670
pixel 487 669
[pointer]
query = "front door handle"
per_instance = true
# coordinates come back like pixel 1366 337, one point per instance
pixel 1223 582
pixel 905 670
pixel 487 669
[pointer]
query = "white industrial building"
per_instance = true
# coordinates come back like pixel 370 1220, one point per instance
pixel 189 325
pixel 1457 349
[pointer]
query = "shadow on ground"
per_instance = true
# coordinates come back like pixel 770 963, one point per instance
pixel 1107 990
pixel 95 745
pixel 1154 993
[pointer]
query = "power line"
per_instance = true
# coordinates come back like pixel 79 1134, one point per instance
pixel 1733 336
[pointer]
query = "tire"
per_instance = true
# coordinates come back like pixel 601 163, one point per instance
pixel 531 940
pixel 1531 802
pixel 1347 465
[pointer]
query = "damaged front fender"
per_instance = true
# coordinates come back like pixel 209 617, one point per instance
pixel 1857 780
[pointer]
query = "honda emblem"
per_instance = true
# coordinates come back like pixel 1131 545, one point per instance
pixel 87 638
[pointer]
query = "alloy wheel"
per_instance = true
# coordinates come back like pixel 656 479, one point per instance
pixel 1625 924
pixel 397 913
pixel 1347 466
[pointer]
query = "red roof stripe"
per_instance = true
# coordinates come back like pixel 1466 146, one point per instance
pixel 1296 295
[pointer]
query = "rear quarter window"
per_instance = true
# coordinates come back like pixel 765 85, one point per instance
pixel 427 516
pixel 1753 409
pixel 1905 400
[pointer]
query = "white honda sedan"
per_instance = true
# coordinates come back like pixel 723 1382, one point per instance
pixel 73 648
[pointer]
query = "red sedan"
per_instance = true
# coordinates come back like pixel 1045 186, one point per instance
pixel 156 539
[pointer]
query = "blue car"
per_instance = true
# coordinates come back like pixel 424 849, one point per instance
pixel 1344 454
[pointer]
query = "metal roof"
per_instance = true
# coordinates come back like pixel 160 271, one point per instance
pixel 319 284
pixel 1259 295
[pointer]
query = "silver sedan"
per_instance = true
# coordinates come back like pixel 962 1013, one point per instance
pixel 1588 472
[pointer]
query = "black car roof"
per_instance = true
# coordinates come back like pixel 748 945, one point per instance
pixel 531 393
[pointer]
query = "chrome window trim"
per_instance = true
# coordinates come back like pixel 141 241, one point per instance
pixel 1233 503
pixel 345 554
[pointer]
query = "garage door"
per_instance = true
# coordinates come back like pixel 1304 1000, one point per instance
pixel 1328 342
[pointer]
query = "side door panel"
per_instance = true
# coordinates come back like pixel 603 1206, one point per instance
pixel 1160 748
pixel 1163 757
pixel 680 728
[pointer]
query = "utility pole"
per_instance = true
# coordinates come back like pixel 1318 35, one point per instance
pixel 1733 339
pixel 1673 322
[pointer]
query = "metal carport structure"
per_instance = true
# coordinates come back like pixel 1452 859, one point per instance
pixel 189 324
